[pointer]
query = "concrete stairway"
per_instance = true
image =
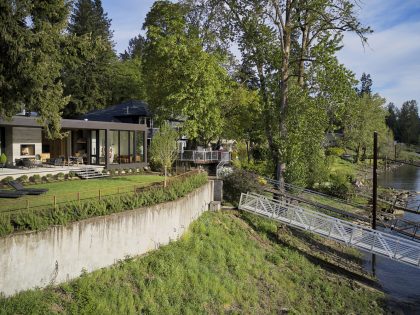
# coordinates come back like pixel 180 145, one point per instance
pixel 87 173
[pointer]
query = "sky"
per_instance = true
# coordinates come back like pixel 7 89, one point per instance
pixel 392 56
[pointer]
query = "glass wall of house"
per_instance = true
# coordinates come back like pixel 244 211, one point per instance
pixel 97 146
pixel 139 146
pixel 2 140
pixel 126 147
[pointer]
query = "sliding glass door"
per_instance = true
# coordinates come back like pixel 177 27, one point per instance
pixel 97 147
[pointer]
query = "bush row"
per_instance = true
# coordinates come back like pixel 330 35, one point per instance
pixel 74 211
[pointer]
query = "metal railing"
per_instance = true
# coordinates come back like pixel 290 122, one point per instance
pixel 203 156
pixel 396 248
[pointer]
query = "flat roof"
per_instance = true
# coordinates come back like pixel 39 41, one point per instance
pixel 22 121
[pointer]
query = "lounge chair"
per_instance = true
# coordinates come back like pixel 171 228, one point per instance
pixel 30 191
pixel 11 193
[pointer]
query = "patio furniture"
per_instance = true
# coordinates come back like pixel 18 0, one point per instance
pixel 56 161
pixel 38 161
pixel 28 163
pixel 11 193
pixel 30 191
pixel 19 163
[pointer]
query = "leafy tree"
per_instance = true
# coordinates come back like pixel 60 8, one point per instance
pixel 361 120
pixel 88 77
pixel 182 79
pixel 283 40
pixel 127 81
pixel 163 149
pixel 409 122
pixel 31 38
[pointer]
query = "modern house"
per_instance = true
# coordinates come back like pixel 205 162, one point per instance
pixel 133 112
pixel 101 143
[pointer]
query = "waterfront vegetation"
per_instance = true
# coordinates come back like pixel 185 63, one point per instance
pixel 227 263
pixel 60 214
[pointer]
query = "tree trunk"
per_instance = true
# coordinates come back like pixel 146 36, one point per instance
pixel 284 90
pixel 164 181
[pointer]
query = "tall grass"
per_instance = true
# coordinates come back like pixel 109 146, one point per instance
pixel 221 266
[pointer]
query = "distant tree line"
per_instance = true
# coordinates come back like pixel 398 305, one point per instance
pixel 404 122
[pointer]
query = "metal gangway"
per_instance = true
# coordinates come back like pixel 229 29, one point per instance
pixel 377 242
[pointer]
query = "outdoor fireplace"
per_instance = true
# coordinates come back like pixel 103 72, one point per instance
pixel 27 149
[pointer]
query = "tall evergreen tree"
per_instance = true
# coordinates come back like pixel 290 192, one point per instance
pixel 392 121
pixel 135 48
pixel 87 79
pixel 31 39
pixel 366 85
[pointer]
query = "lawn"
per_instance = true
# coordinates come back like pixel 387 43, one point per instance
pixel 227 263
pixel 69 190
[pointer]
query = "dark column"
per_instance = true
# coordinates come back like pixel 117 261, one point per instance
pixel 107 145
pixel 145 145
pixel 375 179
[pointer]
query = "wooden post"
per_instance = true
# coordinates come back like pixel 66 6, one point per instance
pixel 55 200
pixel 27 204
pixel 99 194
pixel 375 179
pixel 78 196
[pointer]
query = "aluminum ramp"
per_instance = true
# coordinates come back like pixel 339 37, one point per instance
pixel 376 242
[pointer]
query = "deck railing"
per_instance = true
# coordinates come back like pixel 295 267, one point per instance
pixel 203 156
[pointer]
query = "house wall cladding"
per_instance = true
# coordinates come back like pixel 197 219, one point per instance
pixel 37 259
pixel 22 135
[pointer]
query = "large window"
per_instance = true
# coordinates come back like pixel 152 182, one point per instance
pixel 140 146
pixel 2 142
pixel 113 151
pixel 102 146
pixel 123 147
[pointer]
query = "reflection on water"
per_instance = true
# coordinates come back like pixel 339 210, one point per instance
pixel 400 281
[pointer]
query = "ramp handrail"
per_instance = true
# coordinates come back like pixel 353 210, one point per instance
pixel 377 242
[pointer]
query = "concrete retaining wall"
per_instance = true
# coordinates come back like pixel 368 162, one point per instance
pixel 36 259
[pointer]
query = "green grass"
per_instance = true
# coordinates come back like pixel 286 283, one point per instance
pixel 227 263
pixel 338 165
pixel 69 190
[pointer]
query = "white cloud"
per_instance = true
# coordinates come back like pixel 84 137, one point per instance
pixel 392 58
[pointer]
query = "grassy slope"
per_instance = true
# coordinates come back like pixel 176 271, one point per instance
pixel 224 264
pixel 67 190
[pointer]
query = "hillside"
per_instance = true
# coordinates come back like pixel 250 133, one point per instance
pixel 227 263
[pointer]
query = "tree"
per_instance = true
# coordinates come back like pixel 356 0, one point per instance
pixel 283 40
pixel 135 48
pixel 409 122
pixel 366 84
pixel 183 81
pixel 163 149
pixel 31 41
pixel 127 81
pixel 361 120
pixel 392 120
pixel 87 77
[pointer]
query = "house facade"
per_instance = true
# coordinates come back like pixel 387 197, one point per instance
pixel 102 143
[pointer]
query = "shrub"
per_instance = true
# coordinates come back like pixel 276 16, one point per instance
pixel 3 159
pixel 35 178
pixel 23 179
pixel 7 179
pixel 72 174
pixel 339 186
pixel 44 179
pixel 336 151
pixel 59 176
pixel 104 171
pixel 237 182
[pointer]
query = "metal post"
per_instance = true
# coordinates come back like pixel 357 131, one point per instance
pixel 375 179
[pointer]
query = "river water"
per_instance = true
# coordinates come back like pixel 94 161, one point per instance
pixel 401 282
